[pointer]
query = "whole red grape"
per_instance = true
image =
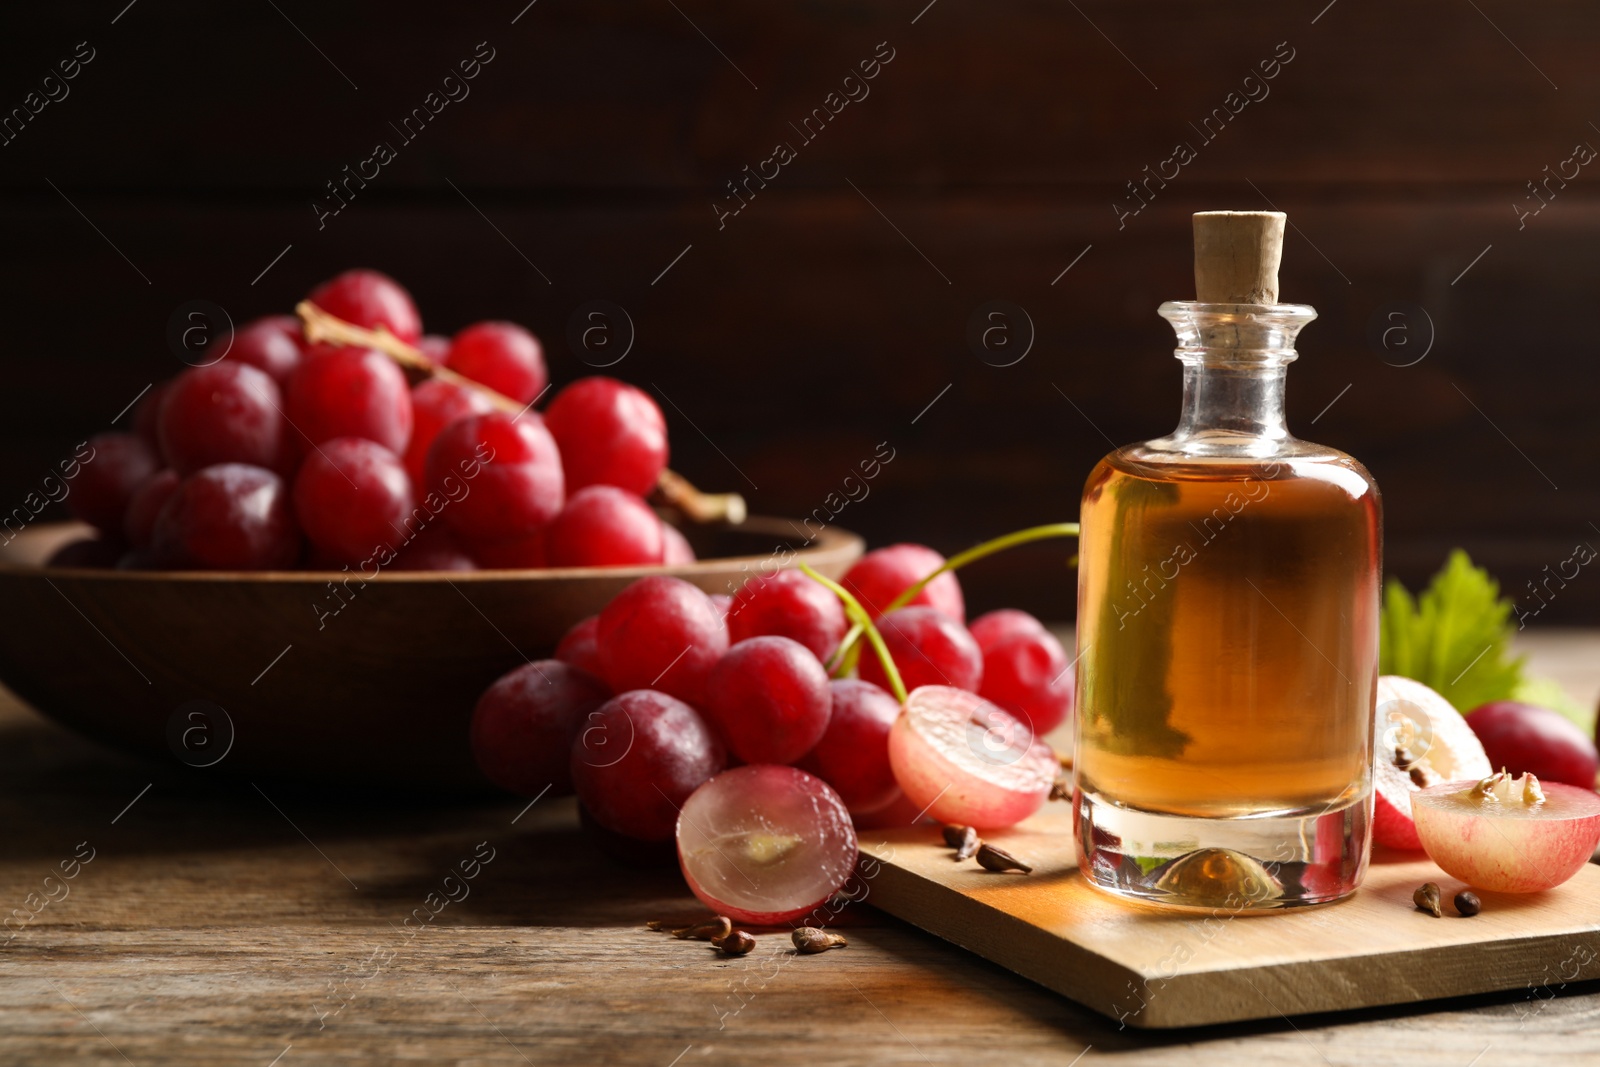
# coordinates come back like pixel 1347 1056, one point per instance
pixel 853 755
pixel 228 517
pixel 883 574
pixel 603 526
pixel 1527 739
pixel 349 392
pixel 788 604
pixel 768 699
pixel 501 475
pixel 676 551
pixel 636 759
pixel 523 726
pixel 223 413
pixel 661 633
pixel 273 344
pixel 371 299
pixel 105 484
pixel 1029 675
pixel 929 648
pixel 501 355
pixel 580 646
pixel 352 498
pixel 139 522
pixel 435 404
pixel 989 630
pixel 610 434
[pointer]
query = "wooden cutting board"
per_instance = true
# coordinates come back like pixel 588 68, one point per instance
pixel 1154 969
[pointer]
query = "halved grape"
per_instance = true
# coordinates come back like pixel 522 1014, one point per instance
pixel 765 844
pixel 968 762
pixel 1508 835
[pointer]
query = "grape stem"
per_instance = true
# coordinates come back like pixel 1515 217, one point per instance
pixel 676 490
pixel 845 656
pixel 863 623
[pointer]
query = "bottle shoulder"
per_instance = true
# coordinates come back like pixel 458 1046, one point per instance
pixel 1292 459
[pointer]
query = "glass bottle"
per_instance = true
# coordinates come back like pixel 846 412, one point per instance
pixel 1228 622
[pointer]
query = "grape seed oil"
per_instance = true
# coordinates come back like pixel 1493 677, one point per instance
pixel 1228 622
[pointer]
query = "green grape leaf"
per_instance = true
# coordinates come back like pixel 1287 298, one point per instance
pixel 1455 637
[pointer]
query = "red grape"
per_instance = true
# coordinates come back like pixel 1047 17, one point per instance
pixel 139 522
pixel 676 551
pixel 501 473
pixel 228 517
pixel 1527 739
pixel 1030 676
pixel 580 646
pixel 352 498
pixel 661 633
pixel 610 434
pixel 516 553
pixel 349 392
pixel 636 759
pixel 434 346
pixel 1531 836
pixel 223 413
pixel 967 762
pixel 501 355
pixel 603 526
pixel 768 698
pixel 371 299
pixel 273 344
pixel 722 603
pixel 929 648
pixel 434 548
pixel 105 484
pixel 435 404
pixel 788 604
pixel 853 755
pixel 989 630
pixel 884 573
pixel 523 726
pixel 764 845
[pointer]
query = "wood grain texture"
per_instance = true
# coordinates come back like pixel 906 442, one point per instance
pixel 215 926
pixel 1162 969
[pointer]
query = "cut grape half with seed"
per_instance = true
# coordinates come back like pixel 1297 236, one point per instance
pixel 1506 834
pixel 765 844
pixel 967 762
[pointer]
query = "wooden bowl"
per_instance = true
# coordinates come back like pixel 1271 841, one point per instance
pixel 317 675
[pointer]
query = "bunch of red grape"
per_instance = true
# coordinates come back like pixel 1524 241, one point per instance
pixel 282 453
pixel 646 705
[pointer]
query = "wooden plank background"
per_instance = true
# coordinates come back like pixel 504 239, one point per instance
pixel 833 309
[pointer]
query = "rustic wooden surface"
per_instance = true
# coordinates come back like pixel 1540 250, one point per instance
pixel 222 923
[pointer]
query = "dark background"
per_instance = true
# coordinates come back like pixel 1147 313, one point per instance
pixel 791 342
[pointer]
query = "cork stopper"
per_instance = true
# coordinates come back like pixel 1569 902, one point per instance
pixel 1236 255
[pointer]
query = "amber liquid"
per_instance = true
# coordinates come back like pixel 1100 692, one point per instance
pixel 1228 622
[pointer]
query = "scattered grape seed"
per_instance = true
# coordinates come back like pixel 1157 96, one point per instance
pixel 713 929
pixel 955 835
pixel 1062 789
pixel 737 943
pixel 1426 898
pixel 808 940
pixel 1467 903
pixel 991 858
pixel 964 839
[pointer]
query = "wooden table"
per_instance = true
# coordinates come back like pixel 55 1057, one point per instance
pixel 224 922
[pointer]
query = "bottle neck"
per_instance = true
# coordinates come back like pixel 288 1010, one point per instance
pixel 1235 360
pixel 1232 400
